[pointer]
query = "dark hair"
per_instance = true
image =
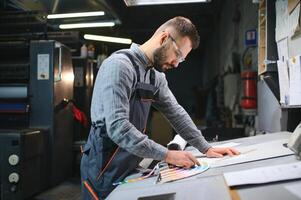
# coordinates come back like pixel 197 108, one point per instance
pixel 183 27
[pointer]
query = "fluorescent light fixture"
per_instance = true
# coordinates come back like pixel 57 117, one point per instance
pixel 72 15
pixel 159 2
pixel 87 25
pixel 108 39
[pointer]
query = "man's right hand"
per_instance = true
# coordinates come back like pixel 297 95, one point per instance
pixel 181 159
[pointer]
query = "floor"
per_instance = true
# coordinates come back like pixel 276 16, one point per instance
pixel 68 190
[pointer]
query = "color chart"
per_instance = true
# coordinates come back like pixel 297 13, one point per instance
pixel 177 173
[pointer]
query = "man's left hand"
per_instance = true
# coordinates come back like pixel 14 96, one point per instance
pixel 219 152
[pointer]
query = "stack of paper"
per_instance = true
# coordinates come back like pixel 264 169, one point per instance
pixel 295 81
pixel 249 153
pixel 283 81
pixel 264 174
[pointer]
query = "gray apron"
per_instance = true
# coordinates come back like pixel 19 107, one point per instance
pixel 103 162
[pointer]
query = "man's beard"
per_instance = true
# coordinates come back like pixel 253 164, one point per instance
pixel 160 57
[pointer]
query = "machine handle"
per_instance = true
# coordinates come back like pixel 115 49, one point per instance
pixel 59 77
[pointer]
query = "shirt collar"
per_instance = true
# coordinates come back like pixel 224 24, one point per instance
pixel 140 55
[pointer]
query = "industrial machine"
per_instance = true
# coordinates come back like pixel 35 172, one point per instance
pixel 36 134
pixel 23 162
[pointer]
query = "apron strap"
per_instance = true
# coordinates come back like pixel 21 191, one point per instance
pixel 152 75
pixel 131 57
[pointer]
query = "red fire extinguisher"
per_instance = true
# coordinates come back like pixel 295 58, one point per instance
pixel 249 99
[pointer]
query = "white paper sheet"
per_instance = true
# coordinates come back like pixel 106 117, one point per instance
pixel 229 144
pixel 252 153
pixel 294 188
pixel 264 174
pixel 180 141
pixel 196 153
pixel 282 47
pixel 283 82
pixel 281 20
pixel 295 81
pixel 293 21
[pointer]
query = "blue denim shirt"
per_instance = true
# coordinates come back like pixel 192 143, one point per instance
pixel 113 88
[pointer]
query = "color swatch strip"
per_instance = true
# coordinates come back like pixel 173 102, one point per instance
pixel 177 173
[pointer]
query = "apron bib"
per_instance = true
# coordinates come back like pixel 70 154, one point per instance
pixel 103 162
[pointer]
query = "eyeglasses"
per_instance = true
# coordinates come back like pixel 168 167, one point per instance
pixel 179 54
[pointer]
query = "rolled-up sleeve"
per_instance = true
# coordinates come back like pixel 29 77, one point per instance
pixel 178 117
pixel 116 89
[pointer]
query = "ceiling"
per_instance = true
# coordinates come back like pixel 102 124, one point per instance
pixel 141 21
pixel 136 22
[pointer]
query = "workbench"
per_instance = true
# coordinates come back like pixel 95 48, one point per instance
pixel 210 184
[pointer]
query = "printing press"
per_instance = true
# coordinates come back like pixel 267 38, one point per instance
pixel 36 76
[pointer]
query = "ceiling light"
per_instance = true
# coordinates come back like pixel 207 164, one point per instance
pixel 159 2
pixel 107 39
pixel 71 15
pixel 87 25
